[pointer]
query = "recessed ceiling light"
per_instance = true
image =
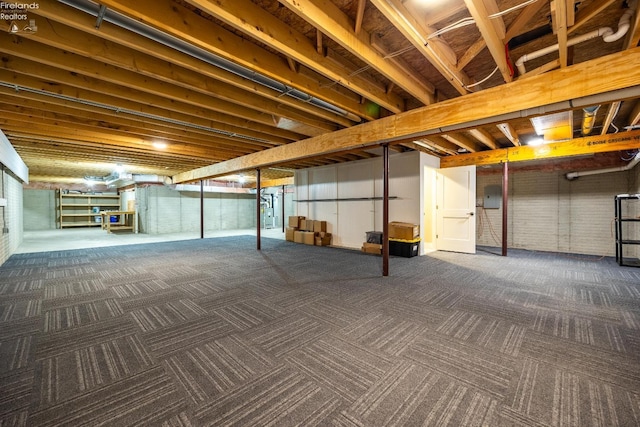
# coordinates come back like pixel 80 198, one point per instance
pixel 159 145
pixel 536 141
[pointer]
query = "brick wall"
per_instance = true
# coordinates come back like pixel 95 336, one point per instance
pixel 11 222
pixel 549 213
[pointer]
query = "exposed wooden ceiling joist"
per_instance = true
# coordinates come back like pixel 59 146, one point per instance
pixel 199 31
pixel 526 95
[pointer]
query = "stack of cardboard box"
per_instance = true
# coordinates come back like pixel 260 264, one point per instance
pixel 307 231
pixel 373 243
pixel 404 240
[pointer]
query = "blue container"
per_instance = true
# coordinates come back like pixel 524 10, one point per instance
pixel 113 218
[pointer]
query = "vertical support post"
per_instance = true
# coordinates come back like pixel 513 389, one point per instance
pixel 202 209
pixel 505 205
pixel 258 208
pixel 282 203
pixel 385 211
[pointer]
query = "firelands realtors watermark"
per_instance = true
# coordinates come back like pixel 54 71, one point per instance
pixel 17 13
pixel 14 11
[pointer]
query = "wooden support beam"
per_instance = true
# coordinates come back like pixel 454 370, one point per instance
pixel 378 44
pixel 319 43
pixel 559 20
pixel 114 79
pixel 525 98
pixel 492 33
pixel 251 19
pixel 522 20
pixel 575 147
pixel 121 47
pixel 438 53
pixel 634 118
pixel 293 65
pixel 462 141
pixel 332 21
pixel 272 182
pixel 360 16
pixel 484 137
pixel 201 32
pixel 611 114
pixel 586 14
pixel 509 132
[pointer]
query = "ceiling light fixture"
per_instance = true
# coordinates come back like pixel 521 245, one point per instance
pixel 536 142
pixel 159 145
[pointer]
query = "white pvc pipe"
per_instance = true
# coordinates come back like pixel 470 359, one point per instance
pixel 606 33
pixel 630 165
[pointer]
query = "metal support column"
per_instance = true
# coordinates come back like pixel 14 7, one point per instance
pixel 505 203
pixel 258 200
pixel 202 209
pixel 385 211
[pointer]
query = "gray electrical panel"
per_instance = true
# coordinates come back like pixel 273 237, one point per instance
pixel 492 196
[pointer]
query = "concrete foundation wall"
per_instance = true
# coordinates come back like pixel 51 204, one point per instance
pixel 11 221
pixel 163 210
pixel 39 210
pixel 547 212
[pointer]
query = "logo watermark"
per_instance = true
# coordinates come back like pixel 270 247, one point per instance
pixel 17 14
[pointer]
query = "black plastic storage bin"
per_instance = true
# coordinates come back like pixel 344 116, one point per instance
pixel 404 249
pixel 374 237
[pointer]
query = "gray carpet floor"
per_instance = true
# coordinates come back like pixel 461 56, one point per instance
pixel 213 332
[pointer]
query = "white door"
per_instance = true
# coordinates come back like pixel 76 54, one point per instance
pixel 456 209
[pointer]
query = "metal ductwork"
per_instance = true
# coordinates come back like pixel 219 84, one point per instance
pixel 589 119
pixel 103 14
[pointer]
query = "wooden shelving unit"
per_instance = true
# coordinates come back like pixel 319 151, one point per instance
pixel 78 209
pixel 621 241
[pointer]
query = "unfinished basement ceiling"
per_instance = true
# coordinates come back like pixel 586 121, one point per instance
pixel 91 85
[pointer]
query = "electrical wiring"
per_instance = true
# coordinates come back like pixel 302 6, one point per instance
pixel 512 9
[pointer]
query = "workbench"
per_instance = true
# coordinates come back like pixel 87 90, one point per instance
pixel 128 220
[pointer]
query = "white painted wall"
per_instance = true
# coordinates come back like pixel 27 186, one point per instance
pixel 351 187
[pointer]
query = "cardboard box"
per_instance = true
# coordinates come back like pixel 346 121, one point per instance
pixel 294 221
pixel 319 226
pixel 131 205
pixel 306 224
pixel 372 248
pixel 308 237
pixel 323 239
pixel 403 230
pixel 289 234
pixel 297 236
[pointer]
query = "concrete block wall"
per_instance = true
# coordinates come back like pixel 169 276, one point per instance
pixel 547 212
pixel 163 210
pixel 39 210
pixel 635 211
pixel 11 222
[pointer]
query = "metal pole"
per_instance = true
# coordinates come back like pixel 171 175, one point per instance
pixel 385 211
pixel 258 207
pixel 505 203
pixel 202 209
pixel 282 202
